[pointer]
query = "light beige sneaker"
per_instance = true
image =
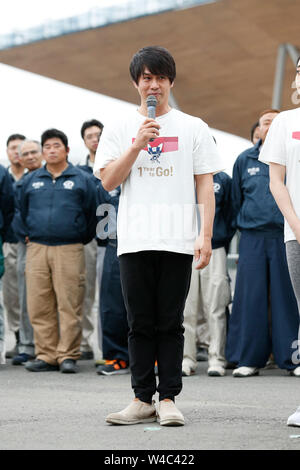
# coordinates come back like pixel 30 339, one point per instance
pixel 168 414
pixel 137 412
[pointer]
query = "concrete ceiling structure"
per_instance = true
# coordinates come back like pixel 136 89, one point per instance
pixel 225 54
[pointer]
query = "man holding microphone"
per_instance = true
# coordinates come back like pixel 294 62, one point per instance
pixel 158 163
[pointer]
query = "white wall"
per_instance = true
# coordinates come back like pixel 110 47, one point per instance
pixel 30 104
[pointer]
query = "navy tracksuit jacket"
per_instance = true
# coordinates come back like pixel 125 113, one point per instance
pixel 264 316
pixel 6 209
pixel 57 211
pixel 223 230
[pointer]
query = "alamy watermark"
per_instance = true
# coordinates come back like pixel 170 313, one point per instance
pixel 150 221
pixel 296 353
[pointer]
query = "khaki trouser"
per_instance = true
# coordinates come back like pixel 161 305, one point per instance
pixel 10 286
pixel 209 295
pixel 55 277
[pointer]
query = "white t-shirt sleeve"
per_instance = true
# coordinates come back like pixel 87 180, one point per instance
pixel 206 158
pixel 274 147
pixel 109 149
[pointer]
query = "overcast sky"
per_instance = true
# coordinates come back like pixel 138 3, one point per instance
pixel 22 14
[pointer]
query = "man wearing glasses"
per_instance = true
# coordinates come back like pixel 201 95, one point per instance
pixel 94 251
pixel 30 157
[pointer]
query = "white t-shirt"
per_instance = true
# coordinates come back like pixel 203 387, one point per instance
pixel 282 145
pixel 157 208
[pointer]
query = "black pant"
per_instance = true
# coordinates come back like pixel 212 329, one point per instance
pixel 155 285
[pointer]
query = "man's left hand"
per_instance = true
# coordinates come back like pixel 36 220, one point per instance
pixel 202 252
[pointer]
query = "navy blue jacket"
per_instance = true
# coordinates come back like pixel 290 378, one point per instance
pixel 18 228
pixel 58 211
pixel 254 207
pixel 10 235
pixel 222 229
pixel 89 170
pixel 6 201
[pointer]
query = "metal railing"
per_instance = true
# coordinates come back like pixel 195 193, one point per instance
pixel 283 51
pixel 95 18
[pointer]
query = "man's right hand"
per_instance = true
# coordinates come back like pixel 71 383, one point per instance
pixel 148 130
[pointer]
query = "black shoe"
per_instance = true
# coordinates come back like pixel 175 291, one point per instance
pixel 21 358
pixel 86 356
pixel 68 366
pixel 40 366
pixel 231 365
pixel 202 355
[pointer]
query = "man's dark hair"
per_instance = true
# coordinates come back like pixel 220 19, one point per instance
pixel 51 133
pixel 91 123
pixel 157 59
pixel 255 126
pixel 15 137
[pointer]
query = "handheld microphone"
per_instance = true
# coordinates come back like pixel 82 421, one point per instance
pixel 151 108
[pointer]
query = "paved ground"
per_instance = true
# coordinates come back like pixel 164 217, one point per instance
pixel 59 411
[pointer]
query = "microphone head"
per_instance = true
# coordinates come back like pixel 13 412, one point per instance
pixel 151 101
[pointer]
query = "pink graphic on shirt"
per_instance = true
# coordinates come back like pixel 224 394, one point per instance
pixel 296 135
pixel 170 144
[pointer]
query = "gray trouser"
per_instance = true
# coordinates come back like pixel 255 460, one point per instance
pixel 100 262
pixel 293 259
pixel 26 344
pixel 89 315
pixel 10 289
pixel 209 295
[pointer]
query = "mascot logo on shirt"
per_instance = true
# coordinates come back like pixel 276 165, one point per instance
pixel 155 152
pixel 68 184
pixel 160 146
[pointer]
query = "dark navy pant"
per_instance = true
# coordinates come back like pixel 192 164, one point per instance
pixel 264 316
pixel 113 313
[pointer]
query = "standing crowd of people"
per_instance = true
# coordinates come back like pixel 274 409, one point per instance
pixel 65 234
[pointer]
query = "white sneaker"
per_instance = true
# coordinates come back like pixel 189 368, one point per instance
pixel 188 367
pixel 294 419
pixel 216 371
pixel 296 372
pixel 168 414
pixel 245 371
pixel 137 412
